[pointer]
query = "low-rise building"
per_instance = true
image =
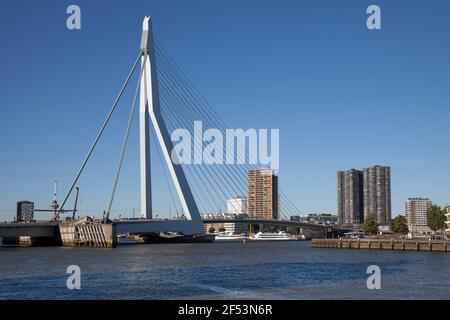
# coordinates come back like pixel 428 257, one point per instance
pixel 236 227
pixel 448 219
pixel 217 227
pixel 322 218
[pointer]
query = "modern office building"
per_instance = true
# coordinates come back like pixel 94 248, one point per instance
pixel 262 194
pixel 377 193
pixel 237 206
pixel 350 197
pixel 25 211
pixel 416 214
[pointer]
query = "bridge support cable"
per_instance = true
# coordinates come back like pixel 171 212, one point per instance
pixel 125 140
pixel 194 106
pixel 196 114
pixel 204 186
pixel 209 113
pixel 243 178
pixel 97 138
pixel 208 182
pixel 207 178
pixel 282 208
pixel 166 177
pixel 167 86
pixel 209 175
pixel 215 172
pixel 291 205
pixel 190 106
pixel 219 167
pixel 203 114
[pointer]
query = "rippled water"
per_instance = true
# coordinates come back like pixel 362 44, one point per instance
pixel 257 270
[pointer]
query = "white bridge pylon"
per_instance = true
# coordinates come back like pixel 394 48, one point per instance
pixel 150 114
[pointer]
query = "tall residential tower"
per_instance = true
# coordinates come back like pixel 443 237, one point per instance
pixel 262 194
pixel 377 193
pixel 350 197
pixel 365 192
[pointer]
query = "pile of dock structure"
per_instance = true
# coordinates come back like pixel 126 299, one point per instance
pixel 86 232
pixel 383 244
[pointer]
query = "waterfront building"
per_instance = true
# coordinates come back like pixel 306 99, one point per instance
pixel 350 197
pixel 236 227
pixel 25 211
pixel 377 193
pixel 237 206
pixel 448 219
pixel 416 214
pixel 217 227
pixel 322 218
pixel 262 194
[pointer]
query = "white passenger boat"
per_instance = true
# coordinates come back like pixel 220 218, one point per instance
pixel 230 236
pixel 274 236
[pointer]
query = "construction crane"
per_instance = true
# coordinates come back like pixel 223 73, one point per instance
pixel 54 206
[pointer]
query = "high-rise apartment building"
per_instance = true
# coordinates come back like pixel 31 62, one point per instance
pixel 350 197
pixel 416 214
pixel 262 194
pixel 377 193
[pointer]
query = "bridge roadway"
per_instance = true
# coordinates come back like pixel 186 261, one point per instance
pixel 31 229
pixel 143 226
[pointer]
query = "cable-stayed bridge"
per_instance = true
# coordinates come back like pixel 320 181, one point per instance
pixel 169 101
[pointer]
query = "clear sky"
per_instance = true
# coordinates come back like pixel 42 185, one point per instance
pixel 342 96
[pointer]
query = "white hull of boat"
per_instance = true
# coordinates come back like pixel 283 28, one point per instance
pixel 272 239
pixel 223 239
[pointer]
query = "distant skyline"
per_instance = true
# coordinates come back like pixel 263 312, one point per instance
pixel 342 96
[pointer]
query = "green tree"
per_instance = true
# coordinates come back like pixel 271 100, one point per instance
pixel 370 225
pixel 436 218
pixel 211 230
pixel 400 225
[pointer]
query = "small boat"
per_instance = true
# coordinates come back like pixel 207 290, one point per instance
pixel 300 237
pixel 175 237
pixel 127 239
pixel 230 236
pixel 272 236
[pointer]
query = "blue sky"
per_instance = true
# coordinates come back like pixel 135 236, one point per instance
pixel 342 96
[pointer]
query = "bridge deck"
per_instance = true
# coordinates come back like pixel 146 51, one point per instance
pixel 32 229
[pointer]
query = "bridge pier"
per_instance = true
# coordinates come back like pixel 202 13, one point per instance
pixel 27 241
pixel 88 233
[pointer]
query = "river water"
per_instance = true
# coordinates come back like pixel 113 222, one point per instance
pixel 255 270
